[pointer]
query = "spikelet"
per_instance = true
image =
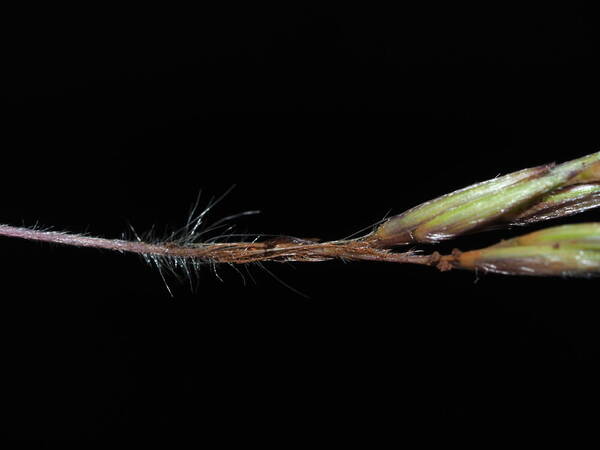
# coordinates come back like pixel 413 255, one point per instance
pixel 568 250
pixel 521 197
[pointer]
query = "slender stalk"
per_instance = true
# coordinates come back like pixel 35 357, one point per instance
pixel 281 249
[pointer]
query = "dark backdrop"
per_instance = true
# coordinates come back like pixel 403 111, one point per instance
pixel 326 120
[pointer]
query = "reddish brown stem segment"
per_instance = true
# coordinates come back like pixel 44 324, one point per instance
pixel 288 249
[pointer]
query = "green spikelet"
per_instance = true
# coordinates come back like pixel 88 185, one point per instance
pixel 504 199
pixel 568 250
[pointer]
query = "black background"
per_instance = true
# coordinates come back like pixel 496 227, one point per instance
pixel 326 120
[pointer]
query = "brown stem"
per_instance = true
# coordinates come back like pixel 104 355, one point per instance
pixel 281 249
